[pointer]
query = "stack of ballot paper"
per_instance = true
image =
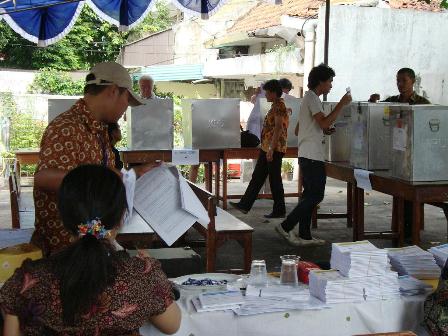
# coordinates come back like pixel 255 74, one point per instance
pixel 440 253
pixel 412 286
pixel 332 287
pixel 358 259
pixel 412 260
pixel 213 301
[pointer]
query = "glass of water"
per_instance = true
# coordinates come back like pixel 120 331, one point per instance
pixel 288 274
pixel 258 274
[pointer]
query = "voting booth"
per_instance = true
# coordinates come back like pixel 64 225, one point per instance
pixel 150 126
pixel 211 123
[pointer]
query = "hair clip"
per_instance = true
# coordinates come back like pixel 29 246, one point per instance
pixel 94 228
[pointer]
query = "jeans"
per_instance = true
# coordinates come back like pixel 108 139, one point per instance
pixel 263 169
pixel 314 180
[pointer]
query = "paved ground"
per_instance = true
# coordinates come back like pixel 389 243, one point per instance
pixel 267 245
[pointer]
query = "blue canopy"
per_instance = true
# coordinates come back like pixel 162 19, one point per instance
pixel 47 21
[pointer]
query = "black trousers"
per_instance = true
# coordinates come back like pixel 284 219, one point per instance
pixel 263 169
pixel 314 180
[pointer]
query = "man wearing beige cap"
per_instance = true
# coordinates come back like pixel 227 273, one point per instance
pixel 76 137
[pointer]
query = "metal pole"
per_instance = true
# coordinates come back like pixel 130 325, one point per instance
pixel 327 34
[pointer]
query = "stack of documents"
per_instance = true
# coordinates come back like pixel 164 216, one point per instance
pixel 411 286
pixel 332 287
pixel 440 253
pixel 213 301
pixel 359 259
pixel 412 260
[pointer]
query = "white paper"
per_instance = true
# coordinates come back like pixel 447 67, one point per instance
pixel 363 179
pixel 399 139
pixel 191 203
pixel 136 224
pixel 129 179
pixel 158 201
pixel 217 299
pixel 185 156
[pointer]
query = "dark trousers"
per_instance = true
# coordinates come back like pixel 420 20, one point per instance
pixel 314 180
pixel 263 169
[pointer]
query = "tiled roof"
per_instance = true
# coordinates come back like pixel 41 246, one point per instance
pixel 433 6
pixel 267 15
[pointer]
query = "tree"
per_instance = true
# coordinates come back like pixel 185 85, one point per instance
pixel 50 81
pixel 90 41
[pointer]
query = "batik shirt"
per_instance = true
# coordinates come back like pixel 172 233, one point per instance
pixel 72 139
pixel 415 99
pixel 278 109
pixel 141 290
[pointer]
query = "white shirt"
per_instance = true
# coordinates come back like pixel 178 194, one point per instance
pixel 310 134
pixel 255 120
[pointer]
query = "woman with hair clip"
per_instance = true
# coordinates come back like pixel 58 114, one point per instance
pixel 90 287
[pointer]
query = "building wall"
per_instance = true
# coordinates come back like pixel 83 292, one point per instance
pixel 369 45
pixel 157 49
pixel 188 90
pixel 18 81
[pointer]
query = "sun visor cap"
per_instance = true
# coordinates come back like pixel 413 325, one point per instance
pixel 114 73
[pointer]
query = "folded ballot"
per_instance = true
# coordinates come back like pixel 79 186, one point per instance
pixel 440 253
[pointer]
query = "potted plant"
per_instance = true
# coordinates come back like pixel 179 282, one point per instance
pixel 287 170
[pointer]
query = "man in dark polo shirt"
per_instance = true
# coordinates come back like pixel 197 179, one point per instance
pixel 405 85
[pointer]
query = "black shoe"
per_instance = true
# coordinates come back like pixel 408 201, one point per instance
pixel 274 215
pixel 237 206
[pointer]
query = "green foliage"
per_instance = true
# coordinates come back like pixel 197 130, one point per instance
pixel 444 4
pixel 157 20
pixel 89 42
pixel 25 132
pixel 50 81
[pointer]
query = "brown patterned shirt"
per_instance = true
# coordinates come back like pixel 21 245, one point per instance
pixel 278 109
pixel 72 139
pixel 415 99
pixel 141 290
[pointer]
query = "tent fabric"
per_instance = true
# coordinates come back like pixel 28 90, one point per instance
pixel 47 21
pixel 203 8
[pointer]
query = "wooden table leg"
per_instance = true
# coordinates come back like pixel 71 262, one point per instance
pixel 208 176
pixel 349 205
pixel 417 215
pixel 217 178
pixel 355 213
pixel 360 206
pixel 224 183
pixel 397 224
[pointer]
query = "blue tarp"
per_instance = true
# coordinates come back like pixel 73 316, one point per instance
pixel 47 25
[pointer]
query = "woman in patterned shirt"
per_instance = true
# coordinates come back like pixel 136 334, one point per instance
pixel 273 147
pixel 89 287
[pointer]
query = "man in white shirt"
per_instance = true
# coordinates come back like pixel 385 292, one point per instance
pixel 286 86
pixel 313 122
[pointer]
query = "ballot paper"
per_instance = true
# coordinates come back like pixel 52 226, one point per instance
pixel 412 260
pixel 185 156
pixel 411 286
pixel 165 202
pixel 200 309
pixel 357 259
pixel 332 287
pixel 363 179
pixel 219 299
pixel 440 253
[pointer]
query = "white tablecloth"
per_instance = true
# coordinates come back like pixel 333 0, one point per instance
pixel 340 320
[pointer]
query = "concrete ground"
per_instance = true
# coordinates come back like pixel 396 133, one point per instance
pixel 268 245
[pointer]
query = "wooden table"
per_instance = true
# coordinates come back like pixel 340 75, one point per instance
pixel 207 156
pixel 26 156
pixel 417 192
pixel 247 153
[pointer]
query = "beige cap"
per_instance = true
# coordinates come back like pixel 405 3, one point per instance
pixel 109 73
